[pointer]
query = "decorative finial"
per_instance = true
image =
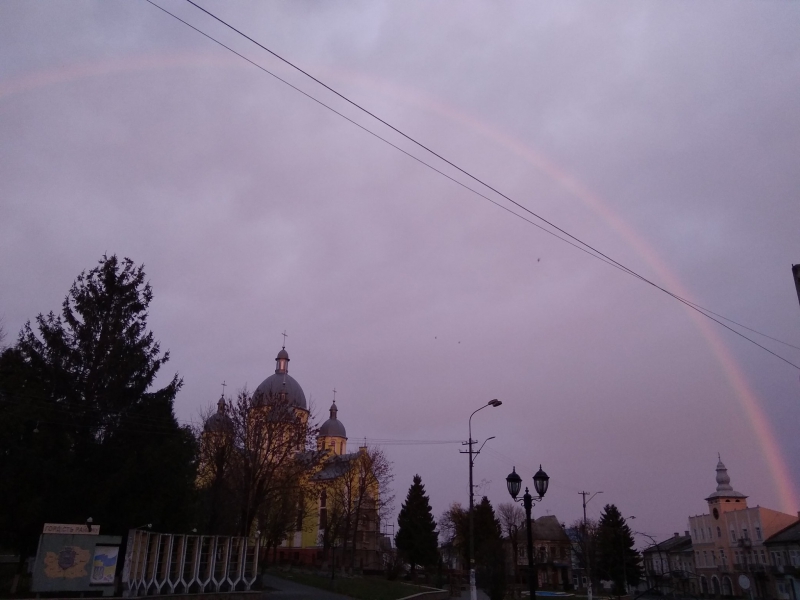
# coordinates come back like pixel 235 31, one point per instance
pixel 334 394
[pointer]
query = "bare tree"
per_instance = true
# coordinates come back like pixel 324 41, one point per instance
pixel 358 495
pixel 512 520
pixel 453 531
pixel 263 459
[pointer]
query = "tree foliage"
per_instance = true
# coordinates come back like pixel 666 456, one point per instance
pixel 416 538
pixel 84 431
pixel 617 559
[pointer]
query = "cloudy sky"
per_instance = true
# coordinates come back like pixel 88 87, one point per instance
pixel 664 133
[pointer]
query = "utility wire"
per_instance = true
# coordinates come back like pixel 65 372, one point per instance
pixel 591 250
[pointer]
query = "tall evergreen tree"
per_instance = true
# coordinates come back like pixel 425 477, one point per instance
pixel 617 559
pixel 87 434
pixel 489 557
pixel 416 539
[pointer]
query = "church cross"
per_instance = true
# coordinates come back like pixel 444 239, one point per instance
pixel 285 335
pixel 224 385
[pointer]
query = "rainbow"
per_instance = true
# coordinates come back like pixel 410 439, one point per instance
pixel 747 398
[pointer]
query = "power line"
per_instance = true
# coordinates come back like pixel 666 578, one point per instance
pixel 588 248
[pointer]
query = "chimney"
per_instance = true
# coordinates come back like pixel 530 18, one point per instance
pixel 686 533
pixel 677 534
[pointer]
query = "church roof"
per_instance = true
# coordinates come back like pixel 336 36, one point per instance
pixel 336 466
pixel 333 427
pixel 218 422
pixel 280 383
pixel 724 489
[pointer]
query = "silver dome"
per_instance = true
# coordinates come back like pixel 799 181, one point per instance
pixel 275 385
pixel 333 426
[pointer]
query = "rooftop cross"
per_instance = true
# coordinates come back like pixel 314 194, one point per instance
pixel 285 335
pixel 224 385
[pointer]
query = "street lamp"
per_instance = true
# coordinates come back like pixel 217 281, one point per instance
pixel 473 593
pixel 540 483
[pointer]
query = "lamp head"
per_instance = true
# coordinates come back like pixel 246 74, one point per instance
pixel 514 482
pixel 540 482
pixel 495 402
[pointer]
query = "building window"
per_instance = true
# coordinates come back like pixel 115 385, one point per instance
pixel 744 533
pixel 710 535
pixel 758 533
pixel 733 535
pixel 719 532
pixel 694 531
pixel 763 558
pixel 705 558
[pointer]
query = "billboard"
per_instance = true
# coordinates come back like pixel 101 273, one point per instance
pixel 76 562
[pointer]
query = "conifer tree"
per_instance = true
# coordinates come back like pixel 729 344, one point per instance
pixel 416 539
pixel 87 433
pixel 617 559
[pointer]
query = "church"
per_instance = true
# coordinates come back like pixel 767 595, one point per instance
pixel 337 518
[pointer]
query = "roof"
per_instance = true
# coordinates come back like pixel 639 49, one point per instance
pixel 548 529
pixel 277 384
pixel 677 543
pixel 336 466
pixel 787 535
pixel 333 426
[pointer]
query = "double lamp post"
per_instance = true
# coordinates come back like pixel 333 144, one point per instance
pixel 540 483
pixel 514 483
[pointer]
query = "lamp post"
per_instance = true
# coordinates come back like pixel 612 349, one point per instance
pixel 473 593
pixel 540 484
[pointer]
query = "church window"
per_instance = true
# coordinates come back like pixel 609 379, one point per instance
pixel 710 535
pixel 323 510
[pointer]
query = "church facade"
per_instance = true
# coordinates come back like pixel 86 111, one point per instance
pixel 337 517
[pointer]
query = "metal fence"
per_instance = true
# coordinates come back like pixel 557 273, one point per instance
pixel 167 563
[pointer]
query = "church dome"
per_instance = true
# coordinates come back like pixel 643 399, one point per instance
pixel 219 422
pixel 333 427
pixel 281 383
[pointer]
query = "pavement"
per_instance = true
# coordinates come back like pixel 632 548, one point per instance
pixel 465 595
pixel 291 590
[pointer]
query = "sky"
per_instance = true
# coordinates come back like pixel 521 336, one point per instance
pixel 666 134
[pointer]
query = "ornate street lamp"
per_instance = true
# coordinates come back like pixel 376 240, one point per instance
pixel 540 484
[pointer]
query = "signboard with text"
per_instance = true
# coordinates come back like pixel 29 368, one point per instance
pixel 71 529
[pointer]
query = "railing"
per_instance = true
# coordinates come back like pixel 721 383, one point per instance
pixel 166 563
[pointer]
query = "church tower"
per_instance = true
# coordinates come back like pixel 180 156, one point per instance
pixel 332 435
pixel 725 498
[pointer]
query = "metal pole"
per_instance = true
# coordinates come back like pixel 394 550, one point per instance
pixel 473 593
pixel 532 576
pixel 586 550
